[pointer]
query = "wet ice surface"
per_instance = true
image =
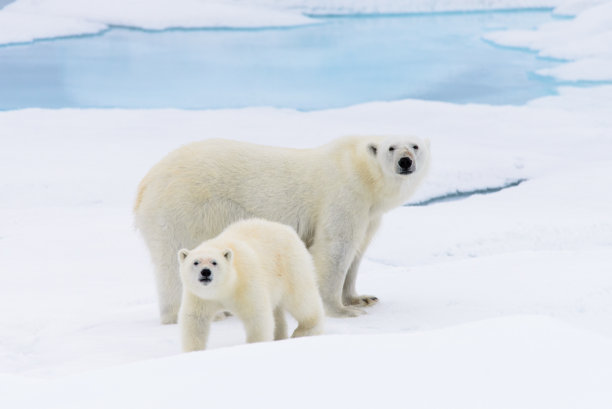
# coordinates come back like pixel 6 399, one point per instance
pixel 339 62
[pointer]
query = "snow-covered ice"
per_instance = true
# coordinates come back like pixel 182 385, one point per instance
pixel 78 285
pixel 585 41
pixel 512 362
pixel 27 20
pixel 21 27
pixel 492 301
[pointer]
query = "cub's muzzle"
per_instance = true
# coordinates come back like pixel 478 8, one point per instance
pixel 205 276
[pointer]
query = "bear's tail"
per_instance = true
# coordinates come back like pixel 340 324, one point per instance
pixel 141 188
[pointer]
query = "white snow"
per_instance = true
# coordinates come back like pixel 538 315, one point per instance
pixel 526 362
pixel 26 20
pixel 78 297
pixel 573 7
pixel 492 301
pixel 22 27
pixel 586 40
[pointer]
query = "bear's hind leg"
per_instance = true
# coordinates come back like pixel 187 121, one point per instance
pixel 163 241
pixel 169 286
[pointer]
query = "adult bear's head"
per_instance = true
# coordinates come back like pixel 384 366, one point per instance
pixel 402 156
pixel 397 166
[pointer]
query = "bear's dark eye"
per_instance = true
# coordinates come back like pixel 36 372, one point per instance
pixel 195 263
pixel 391 148
pixel 214 263
pixel 415 147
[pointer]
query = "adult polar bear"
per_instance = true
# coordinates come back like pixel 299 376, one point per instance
pixel 334 197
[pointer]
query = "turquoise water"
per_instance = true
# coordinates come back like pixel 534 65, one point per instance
pixel 339 62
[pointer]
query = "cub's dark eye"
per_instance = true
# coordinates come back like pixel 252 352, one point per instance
pixel 415 147
pixel 391 148
pixel 214 263
pixel 195 263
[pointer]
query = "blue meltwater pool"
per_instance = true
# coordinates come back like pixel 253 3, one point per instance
pixel 340 61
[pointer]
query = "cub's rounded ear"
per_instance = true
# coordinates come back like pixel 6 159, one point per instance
pixel 228 254
pixel 372 149
pixel 182 255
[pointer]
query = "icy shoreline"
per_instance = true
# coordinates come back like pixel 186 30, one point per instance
pixel 24 21
pixel 583 41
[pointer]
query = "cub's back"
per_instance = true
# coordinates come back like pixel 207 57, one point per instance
pixel 274 247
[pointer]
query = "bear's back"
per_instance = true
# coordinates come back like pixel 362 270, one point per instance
pixel 264 236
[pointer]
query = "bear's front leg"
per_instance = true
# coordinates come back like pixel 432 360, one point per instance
pixel 332 260
pixel 349 294
pixel 257 317
pixel 195 317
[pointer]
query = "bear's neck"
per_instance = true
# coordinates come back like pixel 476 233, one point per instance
pixel 384 193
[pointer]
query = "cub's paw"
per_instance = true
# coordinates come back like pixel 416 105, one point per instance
pixel 362 300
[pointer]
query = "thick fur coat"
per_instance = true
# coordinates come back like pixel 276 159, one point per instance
pixel 334 197
pixel 257 270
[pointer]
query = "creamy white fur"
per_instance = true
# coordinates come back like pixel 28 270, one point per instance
pixel 333 196
pixel 256 269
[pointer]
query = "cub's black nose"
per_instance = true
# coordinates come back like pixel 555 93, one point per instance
pixel 405 163
pixel 205 273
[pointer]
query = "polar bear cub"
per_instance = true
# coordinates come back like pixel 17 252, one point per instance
pixel 255 269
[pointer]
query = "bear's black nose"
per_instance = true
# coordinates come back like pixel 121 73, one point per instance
pixel 405 163
pixel 205 273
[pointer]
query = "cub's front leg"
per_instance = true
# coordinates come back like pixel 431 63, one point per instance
pixel 195 317
pixel 257 316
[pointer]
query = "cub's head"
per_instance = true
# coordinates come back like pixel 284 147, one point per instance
pixel 402 156
pixel 206 271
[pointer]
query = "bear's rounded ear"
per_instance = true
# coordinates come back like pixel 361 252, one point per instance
pixel 182 255
pixel 228 254
pixel 372 149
